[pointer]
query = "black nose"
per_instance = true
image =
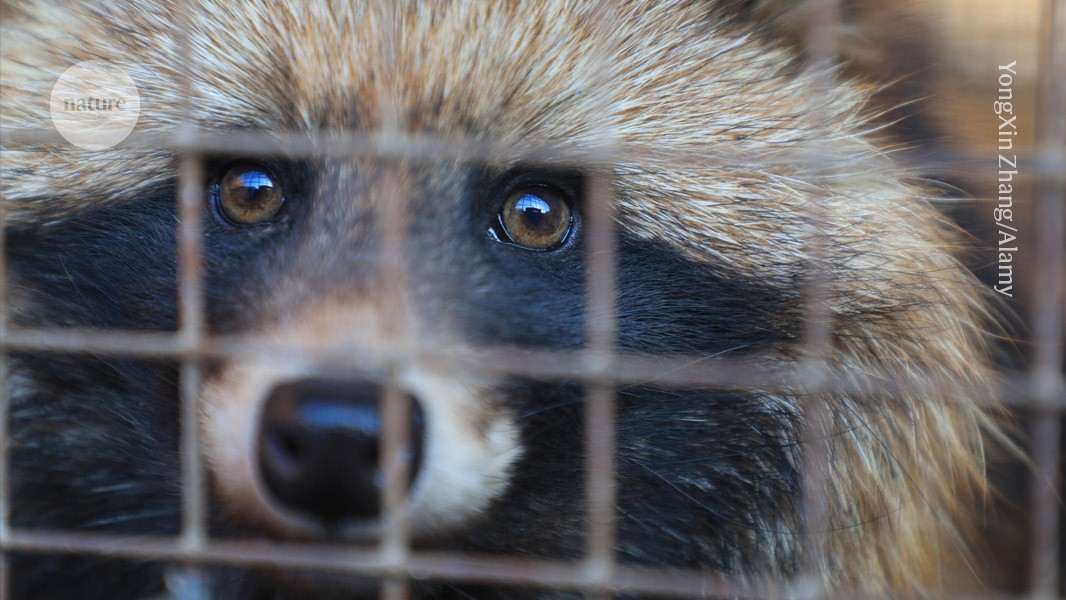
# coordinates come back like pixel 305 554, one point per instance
pixel 318 447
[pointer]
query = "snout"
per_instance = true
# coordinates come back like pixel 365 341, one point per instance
pixel 318 445
pixel 293 445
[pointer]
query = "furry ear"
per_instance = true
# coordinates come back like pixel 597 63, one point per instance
pixel 868 31
pixel 777 16
pixel 888 45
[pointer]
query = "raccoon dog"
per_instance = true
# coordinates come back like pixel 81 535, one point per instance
pixel 715 192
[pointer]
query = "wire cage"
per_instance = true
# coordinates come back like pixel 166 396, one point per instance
pixel 1039 392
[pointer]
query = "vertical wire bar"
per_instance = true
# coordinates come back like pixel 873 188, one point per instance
pixel 821 45
pixel 394 588
pixel 601 329
pixel 393 207
pixel 191 319
pixel 600 407
pixel 1046 375
pixel 191 324
pixel 5 410
pixel 396 405
pixel 1043 485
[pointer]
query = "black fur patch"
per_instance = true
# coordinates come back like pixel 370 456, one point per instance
pixel 701 472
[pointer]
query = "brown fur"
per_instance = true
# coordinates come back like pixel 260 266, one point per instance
pixel 655 78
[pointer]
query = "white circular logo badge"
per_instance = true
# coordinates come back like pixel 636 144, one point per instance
pixel 95 105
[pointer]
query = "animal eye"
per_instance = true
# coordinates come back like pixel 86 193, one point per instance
pixel 248 194
pixel 536 217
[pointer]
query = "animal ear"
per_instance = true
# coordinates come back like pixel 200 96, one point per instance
pixel 891 45
pixel 864 28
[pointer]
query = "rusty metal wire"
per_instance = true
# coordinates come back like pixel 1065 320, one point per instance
pixel 416 146
pixel 555 365
pixel 452 567
pixel 821 42
pixel 1047 310
pixel 5 411
pixel 600 365
pixel 190 580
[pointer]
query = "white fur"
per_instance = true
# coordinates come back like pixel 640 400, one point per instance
pixel 464 466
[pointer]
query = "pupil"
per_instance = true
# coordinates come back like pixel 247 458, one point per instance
pixel 533 208
pixel 259 194
pixel 257 183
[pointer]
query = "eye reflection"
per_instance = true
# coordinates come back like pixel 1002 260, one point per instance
pixel 536 218
pixel 248 195
pixel 533 209
pixel 256 182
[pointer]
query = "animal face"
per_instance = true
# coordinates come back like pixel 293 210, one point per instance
pixel 407 267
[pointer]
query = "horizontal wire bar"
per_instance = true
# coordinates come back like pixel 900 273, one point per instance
pixel 451 147
pixel 452 567
pixel 631 369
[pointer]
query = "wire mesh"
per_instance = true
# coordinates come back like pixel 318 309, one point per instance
pixel 599 365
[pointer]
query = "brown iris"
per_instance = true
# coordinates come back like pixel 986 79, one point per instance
pixel 249 194
pixel 536 217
